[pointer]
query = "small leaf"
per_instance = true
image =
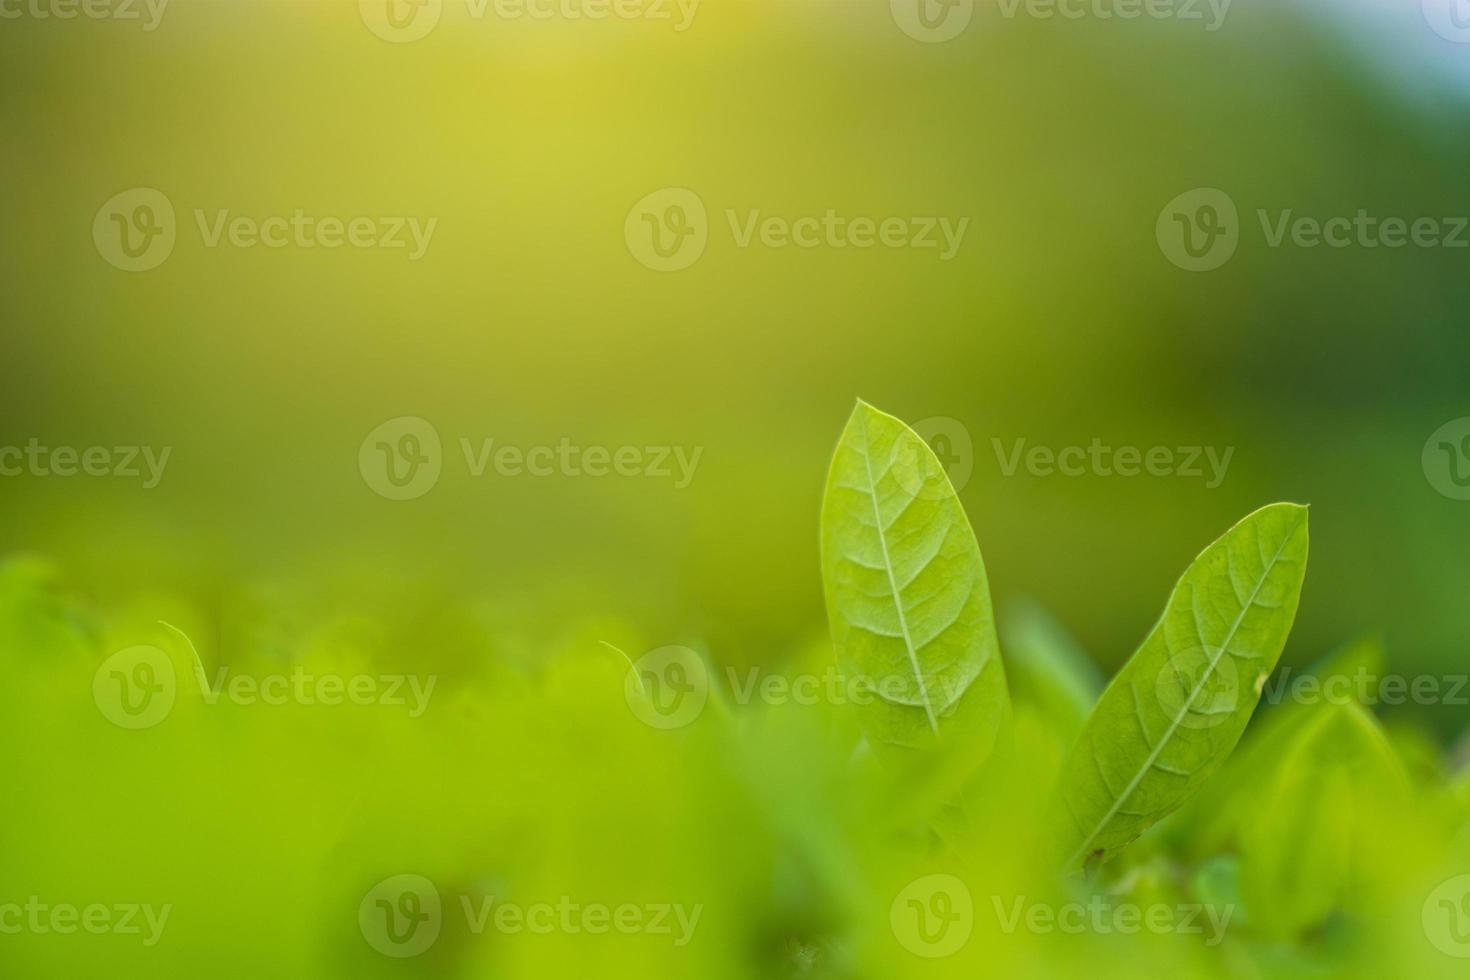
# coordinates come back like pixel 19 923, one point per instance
pixel 907 597
pixel 1177 708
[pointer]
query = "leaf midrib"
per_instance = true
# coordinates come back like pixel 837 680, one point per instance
pixel 903 625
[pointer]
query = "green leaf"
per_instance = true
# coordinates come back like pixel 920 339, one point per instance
pixel 1177 708
pixel 907 597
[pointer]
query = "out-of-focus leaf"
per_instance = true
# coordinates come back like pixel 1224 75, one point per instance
pixel 1206 824
pixel 1315 839
pixel 1217 883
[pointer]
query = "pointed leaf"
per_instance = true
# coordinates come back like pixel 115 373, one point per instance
pixel 1177 708
pixel 907 597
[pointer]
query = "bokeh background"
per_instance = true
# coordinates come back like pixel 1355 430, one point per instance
pixel 530 320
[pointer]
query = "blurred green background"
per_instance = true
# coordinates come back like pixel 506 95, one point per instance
pixel 530 320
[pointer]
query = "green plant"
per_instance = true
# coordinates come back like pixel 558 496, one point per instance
pixel 1295 833
pixel 944 813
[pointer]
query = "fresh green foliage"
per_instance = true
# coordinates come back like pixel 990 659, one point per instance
pixel 810 831
pixel 907 596
pixel 1180 704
